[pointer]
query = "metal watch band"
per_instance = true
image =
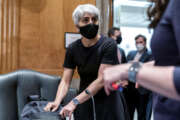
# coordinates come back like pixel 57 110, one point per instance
pixel 133 70
pixel 75 101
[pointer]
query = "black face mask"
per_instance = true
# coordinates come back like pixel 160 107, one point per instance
pixel 89 31
pixel 119 39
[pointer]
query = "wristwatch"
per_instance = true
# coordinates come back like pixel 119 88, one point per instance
pixel 75 101
pixel 133 70
pixel 87 92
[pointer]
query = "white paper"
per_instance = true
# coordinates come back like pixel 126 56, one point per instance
pixel 71 37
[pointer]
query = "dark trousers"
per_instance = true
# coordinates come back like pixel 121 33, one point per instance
pixel 107 108
pixel 136 100
pixel 149 107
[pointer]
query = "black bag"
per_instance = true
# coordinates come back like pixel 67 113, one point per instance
pixel 34 110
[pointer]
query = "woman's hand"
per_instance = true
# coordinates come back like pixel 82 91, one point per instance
pixel 68 110
pixel 114 74
pixel 51 106
pixel 124 83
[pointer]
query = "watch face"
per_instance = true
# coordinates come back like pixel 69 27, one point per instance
pixel 134 68
pixel 75 101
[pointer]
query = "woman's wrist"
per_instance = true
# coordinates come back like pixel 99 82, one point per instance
pixel 75 102
pixel 57 101
pixel 125 73
pixel 133 70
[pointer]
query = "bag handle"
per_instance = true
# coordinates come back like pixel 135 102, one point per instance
pixel 35 98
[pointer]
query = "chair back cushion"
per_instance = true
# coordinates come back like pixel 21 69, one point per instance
pixel 15 88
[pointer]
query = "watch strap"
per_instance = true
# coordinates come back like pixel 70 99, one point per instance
pixel 75 101
pixel 133 70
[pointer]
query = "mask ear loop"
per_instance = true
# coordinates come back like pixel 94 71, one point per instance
pixel 94 111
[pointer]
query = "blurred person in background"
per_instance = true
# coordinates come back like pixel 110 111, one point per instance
pixel 163 75
pixel 138 98
pixel 115 34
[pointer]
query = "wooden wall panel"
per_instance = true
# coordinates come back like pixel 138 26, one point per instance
pixel 9 21
pixel 111 13
pixel 41 34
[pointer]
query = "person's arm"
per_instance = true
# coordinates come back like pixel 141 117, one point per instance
pixel 109 58
pixel 95 86
pixel 62 90
pixel 155 78
pixel 150 63
pixel 175 18
pixel 158 79
pixel 64 85
pixel 69 66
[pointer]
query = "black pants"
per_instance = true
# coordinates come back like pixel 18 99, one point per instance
pixel 108 108
pixel 136 100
